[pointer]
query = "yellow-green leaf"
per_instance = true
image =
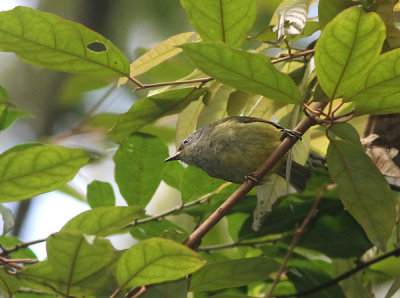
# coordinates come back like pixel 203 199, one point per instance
pixel 46 40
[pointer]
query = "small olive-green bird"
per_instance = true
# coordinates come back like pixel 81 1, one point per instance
pixel 234 147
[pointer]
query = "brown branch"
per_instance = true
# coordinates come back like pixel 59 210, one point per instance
pixel 295 55
pixel 347 274
pixel 313 211
pixel 195 238
pixel 135 81
pixel 201 80
pixel 19 246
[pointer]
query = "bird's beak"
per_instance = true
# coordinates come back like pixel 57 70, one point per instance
pixel 174 157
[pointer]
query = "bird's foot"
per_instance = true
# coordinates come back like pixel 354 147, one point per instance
pixel 252 177
pixel 291 133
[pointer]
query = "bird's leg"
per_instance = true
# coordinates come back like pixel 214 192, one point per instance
pixel 290 133
pixel 252 177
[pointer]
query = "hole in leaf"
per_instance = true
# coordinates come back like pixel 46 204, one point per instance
pixel 97 47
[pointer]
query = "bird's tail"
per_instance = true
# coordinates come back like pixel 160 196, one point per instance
pixel 298 176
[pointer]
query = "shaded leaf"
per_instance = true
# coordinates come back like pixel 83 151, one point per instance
pixel 100 194
pixel 328 9
pixel 8 283
pixel 353 285
pixel 46 40
pixel 346 50
pixel 74 257
pixel 232 273
pixel 362 189
pixel 32 169
pixel 346 132
pixel 13 115
pixel 196 183
pixel 155 229
pixel 172 289
pixel 226 21
pixel 173 173
pixel 139 166
pixel 243 70
pixel 307 274
pixel 380 91
pixel 187 120
pixel 41 276
pixel 104 221
pixel 155 260
pixel 147 110
pixel 161 52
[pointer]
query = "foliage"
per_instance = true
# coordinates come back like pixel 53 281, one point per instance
pixel 346 214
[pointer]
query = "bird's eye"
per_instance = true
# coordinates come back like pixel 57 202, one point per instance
pixel 186 141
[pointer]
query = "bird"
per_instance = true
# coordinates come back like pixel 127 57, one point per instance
pixel 234 147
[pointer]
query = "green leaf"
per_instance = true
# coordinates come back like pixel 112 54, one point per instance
pixel 104 121
pixel 32 170
pixel 104 221
pixel 346 132
pixel 196 183
pixel 8 219
pixel 8 283
pixel 226 21
pixel 3 95
pixel 336 236
pixel 100 194
pixel 41 276
pixel 232 273
pixel 380 91
pixel 187 120
pixel 12 116
pixel 328 9
pixel 161 52
pixel 157 228
pixel 139 166
pixel 47 40
pixel 246 71
pixel 362 189
pixel 172 289
pixel 147 110
pixel 215 104
pixel 346 50
pixel 173 173
pixel 352 286
pixel 307 274
pixel 155 260
pixel 74 257
pixel 10 243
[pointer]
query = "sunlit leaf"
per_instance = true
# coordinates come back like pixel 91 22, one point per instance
pixel 35 169
pixel 139 166
pixel 41 276
pixel 380 91
pixel 155 260
pixel 362 189
pixel 232 273
pixel 347 49
pixel 243 70
pixel 46 40
pixel 187 120
pixel 147 110
pixel 226 21
pixel 172 289
pixel 161 52
pixel 104 221
pixel 100 194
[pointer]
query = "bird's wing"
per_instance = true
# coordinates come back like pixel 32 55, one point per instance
pixel 248 119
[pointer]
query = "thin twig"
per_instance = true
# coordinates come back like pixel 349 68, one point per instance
pixel 195 238
pixel 201 80
pixel 239 243
pixel 135 81
pixel 295 55
pixel 313 211
pixel 19 246
pixel 204 199
pixel 347 274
